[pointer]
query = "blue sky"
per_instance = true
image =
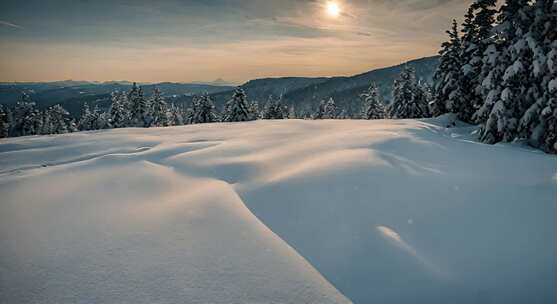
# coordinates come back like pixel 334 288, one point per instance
pixel 173 40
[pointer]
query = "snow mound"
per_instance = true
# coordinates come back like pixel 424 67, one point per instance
pixel 390 211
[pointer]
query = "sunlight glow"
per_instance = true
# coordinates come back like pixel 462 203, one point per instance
pixel 333 9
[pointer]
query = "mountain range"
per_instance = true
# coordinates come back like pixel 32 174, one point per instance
pixel 304 93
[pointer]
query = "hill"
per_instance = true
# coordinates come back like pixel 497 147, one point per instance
pixel 387 211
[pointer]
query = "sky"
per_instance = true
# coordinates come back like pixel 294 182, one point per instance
pixel 202 40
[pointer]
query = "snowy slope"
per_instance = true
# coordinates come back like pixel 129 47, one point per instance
pixel 387 211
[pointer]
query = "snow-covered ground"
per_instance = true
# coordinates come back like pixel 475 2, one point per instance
pixel 392 211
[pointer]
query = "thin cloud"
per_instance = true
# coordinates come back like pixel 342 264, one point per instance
pixel 9 24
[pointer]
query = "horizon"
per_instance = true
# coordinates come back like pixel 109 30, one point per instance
pixel 215 82
pixel 195 41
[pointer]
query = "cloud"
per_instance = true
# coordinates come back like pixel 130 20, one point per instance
pixel 415 4
pixel 9 24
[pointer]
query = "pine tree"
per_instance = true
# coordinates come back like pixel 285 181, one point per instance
pixel 86 119
pixel 45 125
pixel 477 31
pixel 409 99
pixel 4 122
pixel 446 77
pixel 58 117
pixel 203 110
pixel 538 122
pixel 423 98
pixel 515 96
pixel 330 109
pixel 254 109
pixel 25 117
pixel 159 109
pixel 177 116
pixel 102 120
pixel 140 108
pixel 119 110
pixel 372 103
pixel 238 108
pixel 274 109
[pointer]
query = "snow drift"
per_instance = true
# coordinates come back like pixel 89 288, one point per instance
pixel 391 211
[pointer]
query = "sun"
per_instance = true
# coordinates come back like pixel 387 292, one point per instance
pixel 333 9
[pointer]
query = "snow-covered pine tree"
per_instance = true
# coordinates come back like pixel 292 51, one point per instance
pixel 536 124
pixel 409 99
pixel 238 108
pixel 102 119
pixel 274 109
pixel 159 109
pixel 58 119
pixel 203 110
pixel 4 122
pixel 373 106
pixel 140 108
pixel 45 125
pixel 515 95
pixel 331 111
pixel 493 69
pixel 477 31
pixel 86 119
pixel 177 116
pixel 254 110
pixel 25 117
pixel 119 111
pixel 423 97
pixel 446 77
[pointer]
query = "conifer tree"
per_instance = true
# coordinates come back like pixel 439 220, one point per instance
pixel 330 111
pixel 203 110
pixel 140 108
pixel 4 122
pixel 86 119
pixel 274 109
pixel 477 31
pixel 238 108
pixel 119 111
pixel 159 109
pixel 511 94
pixel 254 109
pixel 25 117
pixel 176 115
pixel 446 77
pixel 58 117
pixel 538 122
pixel 409 100
pixel 372 103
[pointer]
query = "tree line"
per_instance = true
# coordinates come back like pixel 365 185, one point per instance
pixel 133 109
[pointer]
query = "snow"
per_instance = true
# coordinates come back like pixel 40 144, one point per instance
pixel 386 211
pixel 553 85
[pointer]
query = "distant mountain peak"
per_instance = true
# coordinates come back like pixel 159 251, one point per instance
pixel 216 82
